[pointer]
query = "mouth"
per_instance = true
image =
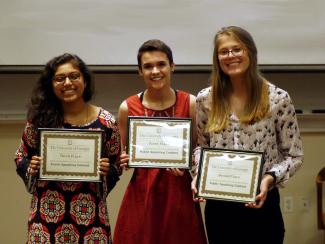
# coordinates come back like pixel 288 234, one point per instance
pixel 156 78
pixel 68 91
pixel 233 64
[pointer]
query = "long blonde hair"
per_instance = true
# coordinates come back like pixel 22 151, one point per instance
pixel 258 98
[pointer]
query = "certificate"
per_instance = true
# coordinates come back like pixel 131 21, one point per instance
pixel 159 142
pixel 70 155
pixel 229 175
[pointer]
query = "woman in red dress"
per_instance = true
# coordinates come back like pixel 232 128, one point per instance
pixel 158 206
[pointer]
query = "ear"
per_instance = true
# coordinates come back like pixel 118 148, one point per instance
pixel 140 72
pixel 172 67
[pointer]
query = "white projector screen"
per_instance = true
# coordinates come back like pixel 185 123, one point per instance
pixel 109 32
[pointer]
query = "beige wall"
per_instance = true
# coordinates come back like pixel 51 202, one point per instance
pixel 301 225
pixel 306 90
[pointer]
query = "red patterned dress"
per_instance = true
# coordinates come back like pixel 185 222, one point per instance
pixel 70 212
pixel 158 207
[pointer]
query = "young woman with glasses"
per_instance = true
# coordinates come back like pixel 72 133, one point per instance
pixel 243 111
pixel 62 211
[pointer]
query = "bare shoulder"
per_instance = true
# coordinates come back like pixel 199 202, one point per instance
pixel 192 105
pixel 123 110
pixel 123 106
pixel 192 98
pixel 192 102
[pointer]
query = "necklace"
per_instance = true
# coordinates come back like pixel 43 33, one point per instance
pixel 162 113
pixel 168 112
pixel 80 119
pixel 87 110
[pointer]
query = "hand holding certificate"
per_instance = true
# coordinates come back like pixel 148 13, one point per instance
pixel 159 142
pixel 229 174
pixel 70 155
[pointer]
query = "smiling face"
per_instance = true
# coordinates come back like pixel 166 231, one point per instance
pixel 156 70
pixel 233 57
pixel 68 84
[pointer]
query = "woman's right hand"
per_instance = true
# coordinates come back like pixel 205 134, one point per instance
pixel 34 165
pixel 124 160
pixel 194 191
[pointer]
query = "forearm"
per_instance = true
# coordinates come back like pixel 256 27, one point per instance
pixel 29 180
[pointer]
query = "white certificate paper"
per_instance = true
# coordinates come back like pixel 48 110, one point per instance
pixel 159 142
pixel 229 175
pixel 70 155
pixel 152 139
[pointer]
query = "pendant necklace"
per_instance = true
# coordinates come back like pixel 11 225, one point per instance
pixel 163 113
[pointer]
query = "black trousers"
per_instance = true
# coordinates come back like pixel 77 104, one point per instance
pixel 233 223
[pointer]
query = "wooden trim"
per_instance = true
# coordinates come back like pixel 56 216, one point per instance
pixel 308 123
pixel 320 179
pixel 133 69
pixel 312 123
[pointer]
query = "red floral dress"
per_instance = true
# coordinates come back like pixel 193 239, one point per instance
pixel 70 212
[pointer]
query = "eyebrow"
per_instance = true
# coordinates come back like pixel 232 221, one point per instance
pixel 154 63
pixel 232 47
pixel 64 74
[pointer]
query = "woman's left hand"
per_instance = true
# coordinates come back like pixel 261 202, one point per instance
pixel 194 190
pixel 267 180
pixel 103 166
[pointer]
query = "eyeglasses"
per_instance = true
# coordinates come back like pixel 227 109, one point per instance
pixel 60 79
pixel 236 52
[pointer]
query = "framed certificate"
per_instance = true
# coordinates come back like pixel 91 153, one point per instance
pixel 70 155
pixel 159 142
pixel 229 175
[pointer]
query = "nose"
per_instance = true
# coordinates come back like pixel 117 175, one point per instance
pixel 67 81
pixel 230 53
pixel 155 70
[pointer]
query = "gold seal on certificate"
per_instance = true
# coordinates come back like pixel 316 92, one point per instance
pixel 229 175
pixel 159 142
pixel 70 155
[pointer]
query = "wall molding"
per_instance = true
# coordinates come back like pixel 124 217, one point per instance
pixel 313 123
pixel 309 123
pixel 133 69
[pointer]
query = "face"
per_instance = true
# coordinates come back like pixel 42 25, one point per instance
pixel 68 84
pixel 156 70
pixel 233 57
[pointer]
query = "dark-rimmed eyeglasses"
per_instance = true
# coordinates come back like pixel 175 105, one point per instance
pixel 73 76
pixel 236 52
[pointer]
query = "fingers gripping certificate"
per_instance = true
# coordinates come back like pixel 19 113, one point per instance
pixel 70 155
pixel 229 174
pixel 159 142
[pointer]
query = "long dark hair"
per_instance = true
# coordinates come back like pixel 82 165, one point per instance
pixel 45 109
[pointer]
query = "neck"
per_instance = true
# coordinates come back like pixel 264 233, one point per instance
pixel 239 87
pixel 159 95
pixel 74 108
pixel 159 99
pixel 238 96
pixel 77 114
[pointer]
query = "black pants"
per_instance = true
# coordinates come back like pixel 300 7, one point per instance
pixel 233 223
